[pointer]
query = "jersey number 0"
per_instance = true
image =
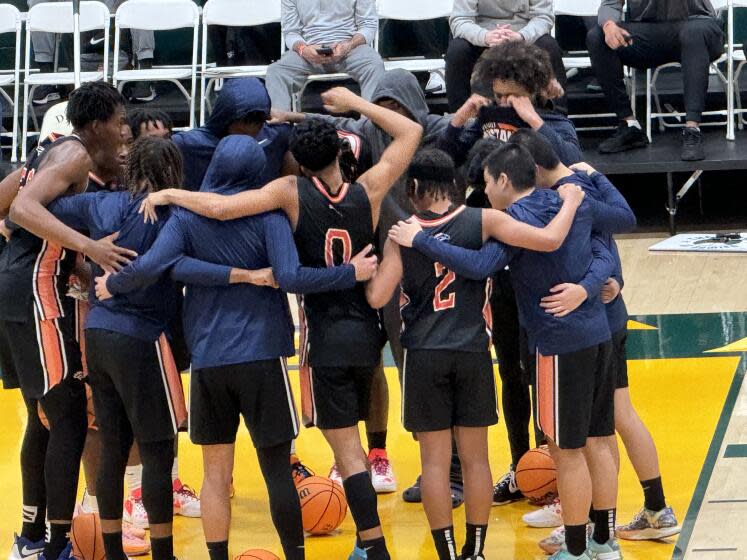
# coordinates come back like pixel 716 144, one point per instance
pixel 341 237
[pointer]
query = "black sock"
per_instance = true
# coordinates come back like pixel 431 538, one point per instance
pixel 46 67
pixel 474 542
pixel 162 548
pixel 445 543
pixel 218 550
pixel 604 525
pixel 362 501
pixel 113 546
pixel 376 549
pixel 653 494
pixel 35 529
pixel 376 440
pixel 59 536
pixel 575 539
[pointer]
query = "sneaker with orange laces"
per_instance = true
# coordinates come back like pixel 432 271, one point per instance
pixel 186 500
pixel 134 510
pixel 382 474
pixel 299 471
pixel 134 541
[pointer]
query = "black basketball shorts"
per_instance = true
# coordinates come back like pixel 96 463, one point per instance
pixel 443 388
pixel 336 397
pixel 575 396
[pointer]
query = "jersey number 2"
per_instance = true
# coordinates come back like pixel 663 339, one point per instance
pixel 340 236
pixel 440 303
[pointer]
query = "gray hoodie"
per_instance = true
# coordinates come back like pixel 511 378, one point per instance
pixel 472 19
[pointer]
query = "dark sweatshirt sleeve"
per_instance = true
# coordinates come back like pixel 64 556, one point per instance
pixel 470 263
pixel 564 141
pixel 167 250
pixel 457 142
pixel 193 271
pixel 602 268
pixel 290 275
pixel 80 211
pixel 611 212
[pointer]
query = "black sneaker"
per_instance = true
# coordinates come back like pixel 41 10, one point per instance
pixel 46 94
pixel 506 491
pixel 692 144
pixel 143 92
pixel 625 138
pixel 412 494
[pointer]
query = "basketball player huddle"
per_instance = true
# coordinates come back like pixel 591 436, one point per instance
pixel 137 252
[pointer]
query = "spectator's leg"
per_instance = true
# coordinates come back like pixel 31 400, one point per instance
pixel 427 38
pixel 549 44
pixel 217 37
pixel 143 46
pixel 701 42
pixel 43 44
pixel 460 61
pixel 285 77
pixel 366 67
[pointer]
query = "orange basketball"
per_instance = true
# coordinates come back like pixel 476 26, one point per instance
pixel 85 534
pixel 323 505
pixel 536 473
pixel 256 554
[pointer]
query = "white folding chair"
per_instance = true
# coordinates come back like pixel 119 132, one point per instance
pixel 414 10
pixel 736 55
pixel 159 15
pixel 652 76
pixel 57 17
pixel 232 13
pixel 10 22
pixel 577 60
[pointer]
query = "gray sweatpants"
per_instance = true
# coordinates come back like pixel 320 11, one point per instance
pixel 143 42
pixel 288 75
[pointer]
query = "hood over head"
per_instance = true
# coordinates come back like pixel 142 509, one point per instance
pixel 238 97
pixel 403 87
pixel 237 166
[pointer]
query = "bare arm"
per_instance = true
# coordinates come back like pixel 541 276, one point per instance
pixel 9 191
pixel 380 288
pixel 281 194
pixel 501 226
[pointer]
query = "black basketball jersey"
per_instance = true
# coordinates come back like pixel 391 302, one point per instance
pixel 499 122
pixel 31 267
pixel 441 310
pixel 343 330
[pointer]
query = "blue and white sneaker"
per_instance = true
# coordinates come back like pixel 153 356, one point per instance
pixel 608 551
pixel 358 554
pixel 650 525
pixel 25 549
pixel 563 554
pixel 66 554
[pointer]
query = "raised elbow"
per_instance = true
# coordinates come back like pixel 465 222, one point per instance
pixel 376 298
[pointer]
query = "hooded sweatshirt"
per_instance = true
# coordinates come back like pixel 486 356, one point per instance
pixel 238 97
pixel 238 323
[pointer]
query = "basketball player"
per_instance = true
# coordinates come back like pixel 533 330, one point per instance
pixel 656 520
pixel 574 383
pixel 448 383
pixel 136 388
pixel 332 220
pixel 38 321
pixel 239 338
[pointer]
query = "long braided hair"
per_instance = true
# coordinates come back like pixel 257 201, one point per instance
pixel 153 164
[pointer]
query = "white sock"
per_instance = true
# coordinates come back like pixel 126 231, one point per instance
pixel 293 447
pixel 175 469
pixel 134 477
pixel 90 504
pixel 635 123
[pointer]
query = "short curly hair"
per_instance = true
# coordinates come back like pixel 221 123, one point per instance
pixel 93 101
pixel 515 61
pixel 315 144
pixel 432 173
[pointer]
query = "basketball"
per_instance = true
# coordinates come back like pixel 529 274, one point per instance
pixel 85 534
pixel 535 473
pixel 256 554
pixel 323 505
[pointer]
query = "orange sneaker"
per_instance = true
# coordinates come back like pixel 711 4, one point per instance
pixel 133 543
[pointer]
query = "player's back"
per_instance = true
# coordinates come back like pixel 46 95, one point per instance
pixel 343 329
pixel 440 309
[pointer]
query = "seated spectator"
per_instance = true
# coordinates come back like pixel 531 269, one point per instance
pixel 150 122
pixel 655 32
pixel 346 27
pixel 242 107
pixel 515 88
pixel 479 24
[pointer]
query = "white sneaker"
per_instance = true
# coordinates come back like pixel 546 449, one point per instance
pixel 548 517
pixel 334 475
pixel 186 500
pixel 382 474
pixel 24 549
pixel 436 84
pixel 134 510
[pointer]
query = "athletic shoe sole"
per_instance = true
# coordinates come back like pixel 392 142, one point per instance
pixel 47 99
pixel 385 488
pixel 649 534
pixel 635 146
pixel 543 525
pixel 506 502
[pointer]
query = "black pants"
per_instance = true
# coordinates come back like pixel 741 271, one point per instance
pixel 460 62
pixel 511 351
pixel 426 38
pixel 694 43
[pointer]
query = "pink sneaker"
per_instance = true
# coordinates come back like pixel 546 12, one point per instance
pixel 382 474
pixel 186 500
pixel 133 542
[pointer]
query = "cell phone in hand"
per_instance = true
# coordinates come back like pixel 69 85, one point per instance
pixel 325 50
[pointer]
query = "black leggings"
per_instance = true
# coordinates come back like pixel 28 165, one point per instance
pixel 65 408
pixel 285 506
pixel 33 454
